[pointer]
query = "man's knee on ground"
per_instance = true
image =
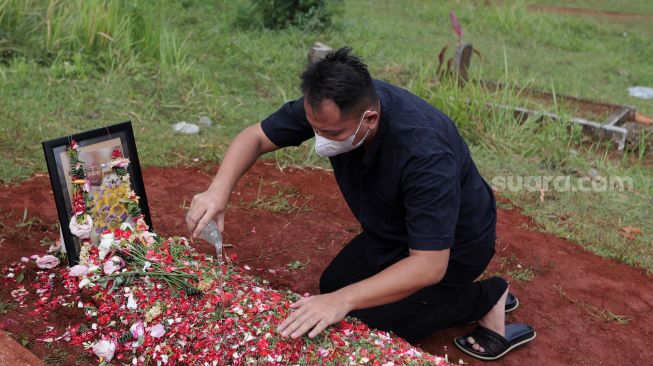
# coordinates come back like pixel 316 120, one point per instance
pixel 324 283
pixel 328 281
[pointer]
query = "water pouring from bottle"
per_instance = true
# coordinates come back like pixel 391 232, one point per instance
pixel 212 235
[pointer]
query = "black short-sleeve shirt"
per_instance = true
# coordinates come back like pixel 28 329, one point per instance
pixel 416 186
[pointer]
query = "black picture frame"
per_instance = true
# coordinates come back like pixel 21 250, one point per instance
pixel 104 138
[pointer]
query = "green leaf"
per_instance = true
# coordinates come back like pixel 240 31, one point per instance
pixel 23 340
pixel 117 282
pixel 20 277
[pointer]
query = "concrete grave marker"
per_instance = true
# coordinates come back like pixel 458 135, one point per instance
pixel 318 51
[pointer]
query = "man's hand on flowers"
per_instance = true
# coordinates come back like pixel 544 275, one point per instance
pixel 314 314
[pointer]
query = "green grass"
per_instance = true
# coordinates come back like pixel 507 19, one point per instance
pixel 641 7
pixel 284 201
pixel 295 265
pixel 56 358
pixel 109 34
pixel 6 304
pixel 189 60
pixel 597 313
pixel 522 275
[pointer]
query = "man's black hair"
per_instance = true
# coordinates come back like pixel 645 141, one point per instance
pixel 341 77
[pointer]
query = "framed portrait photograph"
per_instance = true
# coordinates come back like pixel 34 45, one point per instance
pixel 95 149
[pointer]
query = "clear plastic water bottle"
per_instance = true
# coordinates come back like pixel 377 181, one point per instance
pixel 213 236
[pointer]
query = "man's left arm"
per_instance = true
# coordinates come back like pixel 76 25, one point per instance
pixel 420 269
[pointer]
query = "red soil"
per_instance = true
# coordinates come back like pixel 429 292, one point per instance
pixel 568 301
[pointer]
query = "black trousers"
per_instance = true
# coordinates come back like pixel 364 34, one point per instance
pixel 456 300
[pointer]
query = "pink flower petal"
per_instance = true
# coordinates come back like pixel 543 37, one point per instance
pixel 47 262
pixel 157 331
pixel 78 270
pixel 137 330
pixel 455 25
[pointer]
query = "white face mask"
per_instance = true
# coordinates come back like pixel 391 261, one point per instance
pixel 328 148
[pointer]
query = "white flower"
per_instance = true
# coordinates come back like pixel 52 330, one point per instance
pixel 81 230
pixel 120 163
pixel 105 244
pixel 55 246
pixel 47 262
pixel 112 265
pixel 157 331
pixel 131 302
pixel 85 282
pixel 93 268
pixel 126 226
pixel 78 270
pixel 104 349
pixel 137 329
pixel 323 352
pixel 148 237
pixel 24 259
pixel 58 244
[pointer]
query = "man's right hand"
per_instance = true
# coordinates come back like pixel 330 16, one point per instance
pixel 205 206
pixel 246 147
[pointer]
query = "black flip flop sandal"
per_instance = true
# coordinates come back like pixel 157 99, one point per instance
pixel 512 303
pixel 495 346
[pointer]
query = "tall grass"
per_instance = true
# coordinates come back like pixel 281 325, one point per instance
pixel 115 31
pixel 16 19
pixel 108 33
pixel 14 13
pixel 173 54
pixel 485 118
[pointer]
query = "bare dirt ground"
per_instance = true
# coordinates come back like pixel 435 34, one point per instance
pixel 587 310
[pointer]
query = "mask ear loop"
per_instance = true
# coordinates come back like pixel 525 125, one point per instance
pixel 357 129
pixel 360 123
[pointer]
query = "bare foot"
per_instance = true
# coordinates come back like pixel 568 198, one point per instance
pixel 494 320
